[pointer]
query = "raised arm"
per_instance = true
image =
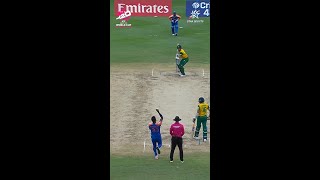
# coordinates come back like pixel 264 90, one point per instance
pixel 159 114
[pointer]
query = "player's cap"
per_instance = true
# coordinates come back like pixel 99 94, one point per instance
pixel 179 46
pixel 177 118
pixel 153 118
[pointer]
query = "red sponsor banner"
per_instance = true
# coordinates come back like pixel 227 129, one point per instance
pixel 144 7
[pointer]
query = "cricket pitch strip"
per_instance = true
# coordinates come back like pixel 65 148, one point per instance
pixel 137 90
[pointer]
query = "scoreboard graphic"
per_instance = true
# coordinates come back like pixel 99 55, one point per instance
pixel 197 8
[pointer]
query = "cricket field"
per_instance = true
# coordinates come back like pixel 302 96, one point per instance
pixel 142 78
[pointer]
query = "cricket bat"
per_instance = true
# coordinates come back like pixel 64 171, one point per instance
pixel 177 62
pixel 193 126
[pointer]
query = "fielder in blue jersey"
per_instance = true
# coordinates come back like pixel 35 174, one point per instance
pixel 155 134
pixel 174 23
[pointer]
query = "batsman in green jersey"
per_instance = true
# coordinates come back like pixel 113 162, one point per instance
pixel 202 119
pixel 184 59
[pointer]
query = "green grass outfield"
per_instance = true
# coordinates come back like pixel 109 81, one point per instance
pixel 149 40
pixel 195 167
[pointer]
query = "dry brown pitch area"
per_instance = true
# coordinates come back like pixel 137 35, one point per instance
pixel 138 89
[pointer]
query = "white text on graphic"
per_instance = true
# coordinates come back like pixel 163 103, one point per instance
pixel 124 15
pixel 144 7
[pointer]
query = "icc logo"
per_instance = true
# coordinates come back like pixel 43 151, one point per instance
pixel 195 5
pixel 123 17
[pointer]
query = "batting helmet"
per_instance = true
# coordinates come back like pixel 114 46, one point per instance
pixel 201 100
pixel 153 118
pixel 179 46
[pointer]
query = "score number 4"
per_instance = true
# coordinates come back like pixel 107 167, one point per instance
pixel 206 12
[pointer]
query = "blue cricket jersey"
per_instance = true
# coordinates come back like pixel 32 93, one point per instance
pixel 155 129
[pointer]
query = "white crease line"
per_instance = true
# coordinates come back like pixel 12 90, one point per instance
pixel 202 72
pixel 152 72
pixel 162 144
pixel 168 145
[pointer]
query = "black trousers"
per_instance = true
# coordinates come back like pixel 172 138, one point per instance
pixel 174 142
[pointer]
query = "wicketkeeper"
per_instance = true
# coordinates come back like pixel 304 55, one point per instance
pixel 155 134
pixel 202 118
pixel 174 23
pixel 184 59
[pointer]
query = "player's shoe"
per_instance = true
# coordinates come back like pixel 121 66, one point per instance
pixel 196 137
pixel 176 34
pixel 171 161
pixel 173 34
pixel 204 140
pixel 158 150
pixel 156 157
pixel 182 161
pixel 182 75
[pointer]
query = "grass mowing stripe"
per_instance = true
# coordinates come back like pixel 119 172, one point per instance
pixel 196 166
